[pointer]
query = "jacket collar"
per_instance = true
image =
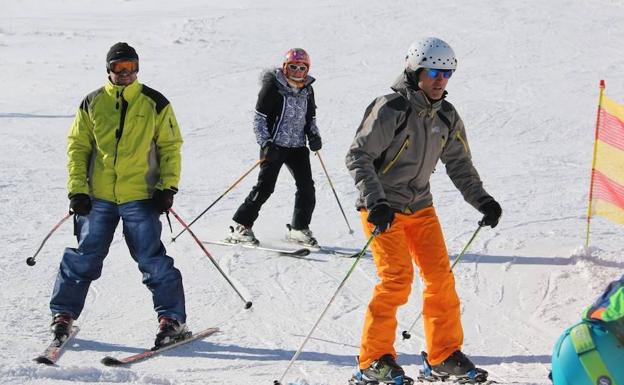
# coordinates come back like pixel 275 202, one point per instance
pixel 417 97
pixel 128 92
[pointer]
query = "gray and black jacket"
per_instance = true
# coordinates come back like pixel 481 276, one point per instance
pixel 283 114
pixel 399 143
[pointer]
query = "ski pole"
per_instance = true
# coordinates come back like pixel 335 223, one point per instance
pixel 31 260
pixel 406 333
pixel 318 154
pixel 219 198
pixel 359 256
pixel 247 303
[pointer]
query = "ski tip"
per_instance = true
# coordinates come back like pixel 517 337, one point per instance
pixel 110 361
pixel 302 252
pixel 43 360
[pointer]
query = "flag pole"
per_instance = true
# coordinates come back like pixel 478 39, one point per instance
pixel 591 182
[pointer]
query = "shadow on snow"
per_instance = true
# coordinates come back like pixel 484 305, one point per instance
pixel 208 350
pixel 555 261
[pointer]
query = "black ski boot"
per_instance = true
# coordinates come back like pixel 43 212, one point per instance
pixel 384 370
pixel 61 326
pixel 457 367
pixel 170 331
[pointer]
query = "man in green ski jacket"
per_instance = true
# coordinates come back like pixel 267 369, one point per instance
pixel 123 163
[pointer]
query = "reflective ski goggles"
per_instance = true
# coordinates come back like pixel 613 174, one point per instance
pixel 433 73
pixel 294 67
pixel 130 66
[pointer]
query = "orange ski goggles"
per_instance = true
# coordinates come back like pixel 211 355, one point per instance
pixel 117 67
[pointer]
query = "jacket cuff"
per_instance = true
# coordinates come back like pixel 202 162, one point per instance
pixel 379 202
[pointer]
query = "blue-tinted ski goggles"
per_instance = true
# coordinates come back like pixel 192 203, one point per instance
pixel 433 73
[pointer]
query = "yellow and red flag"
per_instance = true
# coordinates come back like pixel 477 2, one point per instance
pixel 606 193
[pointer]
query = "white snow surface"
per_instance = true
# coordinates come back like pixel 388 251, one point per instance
pixel 526 87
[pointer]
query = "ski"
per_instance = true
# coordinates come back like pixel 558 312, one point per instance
pixel 149 353
pixel 337 251
pixel 314 247
pixel 54 350
pixel 299 253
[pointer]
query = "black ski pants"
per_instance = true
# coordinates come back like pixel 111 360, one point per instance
pixel 297 160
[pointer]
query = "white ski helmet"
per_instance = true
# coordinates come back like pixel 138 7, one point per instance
pixel 430 52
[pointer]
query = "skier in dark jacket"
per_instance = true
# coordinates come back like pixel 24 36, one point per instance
pixel 285 115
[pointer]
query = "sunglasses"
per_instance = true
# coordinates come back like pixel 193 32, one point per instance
pixel 294 67
pixel 117 67
pixel 433 73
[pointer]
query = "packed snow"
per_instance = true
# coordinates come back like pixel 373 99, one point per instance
pixel 526 87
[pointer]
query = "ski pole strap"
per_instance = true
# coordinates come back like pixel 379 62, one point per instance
pixel 589 356
pixel 169 220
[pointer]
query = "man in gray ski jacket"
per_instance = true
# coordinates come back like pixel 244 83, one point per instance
pixel 393 154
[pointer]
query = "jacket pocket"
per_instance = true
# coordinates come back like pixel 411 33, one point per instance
pixel 397 156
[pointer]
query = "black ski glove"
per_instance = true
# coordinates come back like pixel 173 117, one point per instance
pixel 382 216
pixel 163 199
pixel 314 142
pixel 491 211
pixel 269 151
pixel 80 204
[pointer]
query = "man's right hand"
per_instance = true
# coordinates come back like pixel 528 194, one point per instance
pixel 492 212
pixel 80 204
pixel 269 151
pixel 382 216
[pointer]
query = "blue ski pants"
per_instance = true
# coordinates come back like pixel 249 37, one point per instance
pixel 142 229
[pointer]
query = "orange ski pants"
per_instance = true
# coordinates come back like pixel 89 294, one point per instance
pixel 416 237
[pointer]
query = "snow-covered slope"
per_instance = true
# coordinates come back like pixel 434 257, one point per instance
pixel 526 87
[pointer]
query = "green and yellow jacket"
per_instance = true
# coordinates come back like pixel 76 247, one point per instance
pixel 124 143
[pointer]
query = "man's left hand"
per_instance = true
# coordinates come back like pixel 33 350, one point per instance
pixel 163 199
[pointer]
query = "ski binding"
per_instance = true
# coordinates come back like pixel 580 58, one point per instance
pixel 54 350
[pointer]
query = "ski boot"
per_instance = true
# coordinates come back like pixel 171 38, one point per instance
pixel 303 237
pixel 384 370
pixel 242 234
pixel 457 368
pixel 170 331
pixel 61 326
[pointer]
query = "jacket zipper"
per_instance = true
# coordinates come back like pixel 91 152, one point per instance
pixel 422 161
pixel 396 157
pixel 276 125
pixel 118 134
pixel 122 120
